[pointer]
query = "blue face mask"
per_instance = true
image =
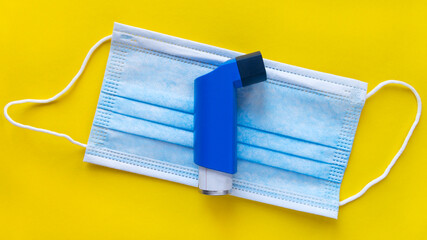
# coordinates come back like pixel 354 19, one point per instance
pixel 295 131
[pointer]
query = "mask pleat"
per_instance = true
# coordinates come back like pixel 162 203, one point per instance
pixel 246 152
pixel 246 135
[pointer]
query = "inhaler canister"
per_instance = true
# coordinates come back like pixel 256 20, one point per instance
pixel 215 120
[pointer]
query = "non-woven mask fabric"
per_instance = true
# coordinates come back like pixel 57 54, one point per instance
pixel 295 131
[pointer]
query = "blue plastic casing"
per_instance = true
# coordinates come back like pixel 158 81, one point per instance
pixel 215 110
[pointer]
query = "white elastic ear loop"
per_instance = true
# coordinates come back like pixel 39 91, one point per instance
pixel 89 54
pixel 408 136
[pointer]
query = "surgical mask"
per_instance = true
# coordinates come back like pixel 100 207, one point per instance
pixel 295 131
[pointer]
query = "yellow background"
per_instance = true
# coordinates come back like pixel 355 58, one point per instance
pixel 47 192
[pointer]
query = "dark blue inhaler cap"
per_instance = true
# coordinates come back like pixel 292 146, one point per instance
pixel 251 68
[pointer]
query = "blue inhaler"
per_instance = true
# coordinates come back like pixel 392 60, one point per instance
pixel 215 120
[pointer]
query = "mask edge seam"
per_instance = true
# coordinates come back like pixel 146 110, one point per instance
pixel 168 165
pixel 199 50
pixel 335 96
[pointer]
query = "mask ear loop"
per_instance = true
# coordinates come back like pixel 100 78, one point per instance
pixel 82 68
pixel 402 148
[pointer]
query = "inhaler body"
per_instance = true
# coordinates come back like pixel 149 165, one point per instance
pixel 215 120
